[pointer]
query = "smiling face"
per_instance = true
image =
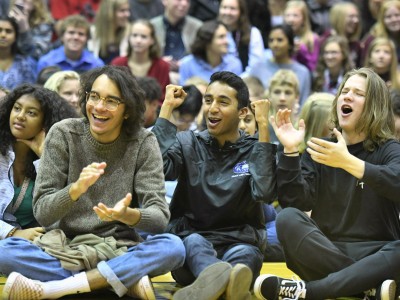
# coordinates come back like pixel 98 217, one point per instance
pixel 381 58
pixel 122 14
pixel 333 55
pixel 391 19
pixel 352 20
pixel 26 118
pixel 229 13
pixel 105 125
pixel 221 112
pixel 219 42
pixel 74 39
pixel 350 104
pixel 294 17
pixel 7 34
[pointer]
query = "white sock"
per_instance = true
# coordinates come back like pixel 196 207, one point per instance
pixel 72 285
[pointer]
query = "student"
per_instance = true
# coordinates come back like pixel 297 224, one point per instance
pixel 143 58
pixel 334 61
pixel 382 58
pixel 26 115
pixel 15 68
pixel 106 156
pixel 245 40
pixel 350 244
pixel 184 115
pixel 72 55
pixel 224 176
pixel 67 85
pixel 281 43
pixel 209 54
pixel 152 96
pixel 283 92
pixel 110 30
pixel 307 42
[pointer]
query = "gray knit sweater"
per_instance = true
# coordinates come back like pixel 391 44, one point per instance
pixel 134 165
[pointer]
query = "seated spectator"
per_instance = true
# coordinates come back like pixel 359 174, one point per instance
pixel 15 68
pixel 152 95
pixel 143 57
pixel 306 41
pixel 72 55
pixel 145 9
pixel 333 63
pixel 245 40
pixel 283 93
pixel 387 25
pixel 224 176
pixel 346 22
pixel 26 116
pixel 316 113
pixel 281 43
pixel 382 58
pixel 175 31
pixel 45 74
pixel 256 88
pixel 35 26
pixel 350 182
pixel 106 156
pixel 209 54
pixel 109 33
pixel 183 117
pixel 67 85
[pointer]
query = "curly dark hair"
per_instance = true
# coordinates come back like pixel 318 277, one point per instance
pixel 54 109
pixel 131 93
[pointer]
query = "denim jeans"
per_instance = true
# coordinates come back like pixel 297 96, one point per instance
pixel 200 253
pixel 155 256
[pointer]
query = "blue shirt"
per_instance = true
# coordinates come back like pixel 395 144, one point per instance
pixel 266 69
pixel 21 71
pixel 57 57
pixel 194 66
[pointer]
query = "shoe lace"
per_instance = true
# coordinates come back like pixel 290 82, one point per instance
pixel 292 289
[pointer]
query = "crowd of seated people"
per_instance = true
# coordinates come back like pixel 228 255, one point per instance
pixel 215 85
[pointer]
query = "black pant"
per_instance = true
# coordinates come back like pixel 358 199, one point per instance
pixel 334 269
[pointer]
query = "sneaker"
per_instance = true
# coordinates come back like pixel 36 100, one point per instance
pixel 18 287
pixel 386 291
pixel 209 285
pixel 143 289
pixel 271 287
pixel 239 283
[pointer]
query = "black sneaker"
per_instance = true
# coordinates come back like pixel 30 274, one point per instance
pixel 271 287
pixel 386 291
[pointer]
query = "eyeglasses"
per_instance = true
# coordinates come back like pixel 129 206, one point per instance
pixel 110 103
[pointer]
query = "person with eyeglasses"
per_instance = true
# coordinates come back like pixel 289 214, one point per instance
pixel 100 181
pixel 333 63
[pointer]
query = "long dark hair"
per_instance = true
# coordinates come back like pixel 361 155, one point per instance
pixel 14 24
pixel 204 38
pixel 54 109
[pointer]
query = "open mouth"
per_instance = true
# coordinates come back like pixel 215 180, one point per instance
pixel 213 121
pixel 100 118
pixel 346 109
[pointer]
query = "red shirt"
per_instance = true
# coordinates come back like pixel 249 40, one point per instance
pixel 158 70
pixel 61 9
